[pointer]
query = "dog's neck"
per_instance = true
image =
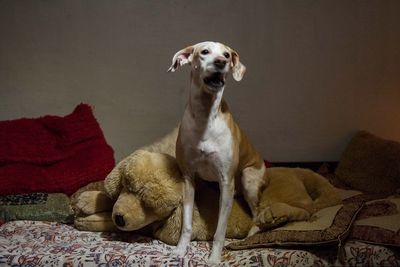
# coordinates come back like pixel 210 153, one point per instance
pixel 203 106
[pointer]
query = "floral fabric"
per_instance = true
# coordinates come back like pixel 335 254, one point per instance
pixel 37 243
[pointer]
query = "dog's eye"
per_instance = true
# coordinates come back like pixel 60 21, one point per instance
pixel 226 55
pixel 204 52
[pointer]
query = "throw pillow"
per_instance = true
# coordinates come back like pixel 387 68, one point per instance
pixel 370 164
pixel 53 154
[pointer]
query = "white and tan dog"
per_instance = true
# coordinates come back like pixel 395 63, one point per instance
pixel 210 144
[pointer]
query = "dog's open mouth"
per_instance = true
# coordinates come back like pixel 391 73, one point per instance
pixel 215 80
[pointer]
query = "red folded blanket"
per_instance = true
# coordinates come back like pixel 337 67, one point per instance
pixel 52 153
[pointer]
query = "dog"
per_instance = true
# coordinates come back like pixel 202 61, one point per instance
pixel 210 145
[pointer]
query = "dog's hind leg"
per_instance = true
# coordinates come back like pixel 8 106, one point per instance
pixel 253 181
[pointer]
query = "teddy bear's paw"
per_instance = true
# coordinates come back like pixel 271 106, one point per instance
pixel 280 220
pixel 264 216
pixel 267 219
pixel 91 202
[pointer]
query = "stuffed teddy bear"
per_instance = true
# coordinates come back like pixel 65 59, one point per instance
pixel 144 192
pixel 150 194
pixel 293 194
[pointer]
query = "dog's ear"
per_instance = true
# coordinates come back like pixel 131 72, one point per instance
pixel 238 69
pixel 181 58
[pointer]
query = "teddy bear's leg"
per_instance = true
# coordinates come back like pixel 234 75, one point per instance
pixel 322 192
pixel 327 196
pixel 279 213
pixel 327 200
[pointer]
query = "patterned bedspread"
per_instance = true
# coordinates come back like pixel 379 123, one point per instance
pixel 36 243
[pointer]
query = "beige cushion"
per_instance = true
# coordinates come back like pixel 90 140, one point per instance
pixel 370 164
pixel 327 226
pixel 379 222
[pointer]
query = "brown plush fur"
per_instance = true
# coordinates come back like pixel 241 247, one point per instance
pixel 293 194
pixel 146 189
pixel 151 193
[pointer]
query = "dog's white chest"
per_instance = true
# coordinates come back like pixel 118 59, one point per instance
pixel 208 150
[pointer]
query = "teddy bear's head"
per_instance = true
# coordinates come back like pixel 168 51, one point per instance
pixel 148 187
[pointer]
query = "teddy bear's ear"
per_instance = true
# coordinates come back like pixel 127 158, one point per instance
pixel 155 178
pixel 113 181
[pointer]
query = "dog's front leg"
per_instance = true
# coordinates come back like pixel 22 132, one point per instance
pixel 225 205
pixel 186 232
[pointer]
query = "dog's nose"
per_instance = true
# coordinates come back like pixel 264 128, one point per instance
pixel 119 220
pixel 220 63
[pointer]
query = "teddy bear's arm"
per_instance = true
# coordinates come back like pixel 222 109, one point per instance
pixel 99 222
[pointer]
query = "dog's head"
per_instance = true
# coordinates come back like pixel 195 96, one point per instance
pixel 211 62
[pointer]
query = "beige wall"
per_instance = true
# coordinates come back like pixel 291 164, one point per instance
pixel 317 70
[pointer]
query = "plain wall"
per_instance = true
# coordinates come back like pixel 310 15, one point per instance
pixel 317 71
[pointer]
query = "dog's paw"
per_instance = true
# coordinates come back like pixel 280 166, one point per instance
pixel 214 259
pixel 179 251
pixel 254 230
pixel 213 262
pixel 216 253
